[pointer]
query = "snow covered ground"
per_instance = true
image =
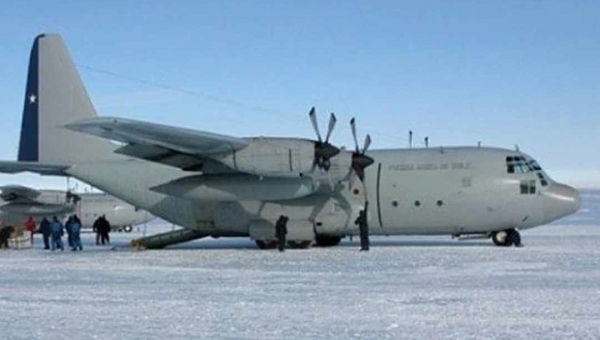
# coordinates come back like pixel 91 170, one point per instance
pixel 405 288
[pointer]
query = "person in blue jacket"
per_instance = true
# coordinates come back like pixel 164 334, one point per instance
pixel 57 233
pixel 76 233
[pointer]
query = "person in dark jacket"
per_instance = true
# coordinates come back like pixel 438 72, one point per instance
pixel 68 226
pixel 104 230
pixel 46 231
pixel 57 233
pixel 363 227
pixel 76 233
pixel 5 235
pixel 96 227
pixel 281 232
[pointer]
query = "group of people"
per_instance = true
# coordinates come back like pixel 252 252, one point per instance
pixel 52 233
pixel 102 229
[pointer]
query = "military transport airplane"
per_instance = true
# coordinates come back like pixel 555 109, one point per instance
pixel 217 185
pixel 17 203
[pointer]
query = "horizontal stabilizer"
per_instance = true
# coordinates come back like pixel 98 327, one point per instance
pixel 178 139
pixel 11 167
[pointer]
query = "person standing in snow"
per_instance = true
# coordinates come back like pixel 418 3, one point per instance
pixel 363 228
pixel 76 233
pixel 46 231
pixel 5 232
pixel 96 227
pixel 57 233
pixel 281 232
pixel 104 229
pixel 68 226
pixel 30 227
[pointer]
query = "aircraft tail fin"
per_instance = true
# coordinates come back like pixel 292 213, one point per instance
pixel 55 96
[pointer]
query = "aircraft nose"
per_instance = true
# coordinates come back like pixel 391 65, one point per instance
pixel 559 201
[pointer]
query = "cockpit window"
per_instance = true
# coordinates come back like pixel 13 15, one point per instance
pixel 520 165
pixel 543 180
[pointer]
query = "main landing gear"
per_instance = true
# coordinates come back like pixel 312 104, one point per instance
pixel 506 238
pixel 327 241
pixel 272 244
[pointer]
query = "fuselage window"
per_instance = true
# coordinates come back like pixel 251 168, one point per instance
pixel 394 204
pixel 527 187
pixel 417 203
pixel 440 203
pixel 524 188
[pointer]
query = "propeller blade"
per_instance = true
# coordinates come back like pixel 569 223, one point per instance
pixel 353 127
pixel 360 172
pixel 313 119
pixel 332 121
pixel 367 144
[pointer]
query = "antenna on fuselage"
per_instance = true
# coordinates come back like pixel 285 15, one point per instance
pixel 479 144
pixel 410 134
pixel 517 147
pixel 427 142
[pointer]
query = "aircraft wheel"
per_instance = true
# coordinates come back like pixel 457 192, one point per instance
pixel 266 244
pixel 127 228
pixel 500 238
pixel 299 244
pixel 514 238
pixel 506 238
pixel 328 241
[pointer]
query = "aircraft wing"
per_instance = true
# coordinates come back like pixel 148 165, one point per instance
pixel 188 141
pixel 174 146
pixel 12 193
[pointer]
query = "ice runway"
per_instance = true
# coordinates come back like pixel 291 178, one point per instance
pixel 405 288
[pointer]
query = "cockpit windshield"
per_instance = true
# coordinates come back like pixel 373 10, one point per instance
pixel 522 165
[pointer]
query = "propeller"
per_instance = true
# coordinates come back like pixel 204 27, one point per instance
pixel 324 151
pixel 360 161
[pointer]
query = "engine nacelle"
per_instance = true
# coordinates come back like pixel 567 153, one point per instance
pixel 334 218
pixel 238 187
pixel 278 157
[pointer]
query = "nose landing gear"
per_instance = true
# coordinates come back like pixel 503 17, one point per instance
pixel 506 238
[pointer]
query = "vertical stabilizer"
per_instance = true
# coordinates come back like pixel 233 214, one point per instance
pixel 55 96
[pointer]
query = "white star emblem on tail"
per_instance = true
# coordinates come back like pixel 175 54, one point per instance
pixel 32 98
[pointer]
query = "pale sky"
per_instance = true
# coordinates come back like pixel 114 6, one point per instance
pixel 504 73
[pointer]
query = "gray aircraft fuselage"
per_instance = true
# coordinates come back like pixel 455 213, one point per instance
pixel 460 190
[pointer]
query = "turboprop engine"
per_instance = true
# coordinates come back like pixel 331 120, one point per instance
pixel 279 157
pixel 295 157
